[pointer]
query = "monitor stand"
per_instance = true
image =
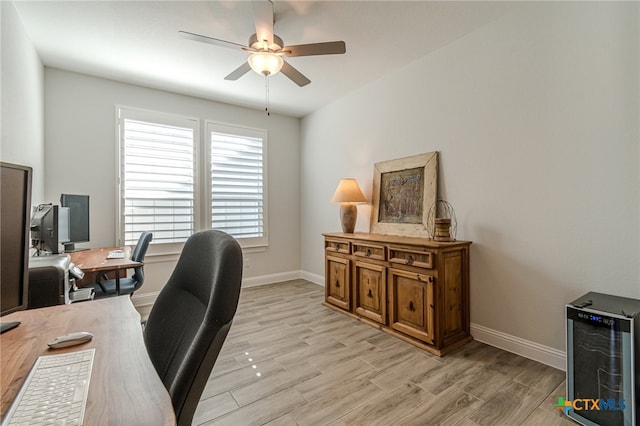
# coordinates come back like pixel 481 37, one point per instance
pixel 71 248
pixel 6 326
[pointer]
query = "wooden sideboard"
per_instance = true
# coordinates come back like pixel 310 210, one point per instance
pixel 413 288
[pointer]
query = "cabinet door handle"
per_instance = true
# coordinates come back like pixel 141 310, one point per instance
pixel 368 253
pixel 409 260
pixel 337 284
pixel 411 307
pixel 370 294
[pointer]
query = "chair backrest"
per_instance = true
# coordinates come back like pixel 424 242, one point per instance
pixel 139 251
pixel 192 315
pixel 141 246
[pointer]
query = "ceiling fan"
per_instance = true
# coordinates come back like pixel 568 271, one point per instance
pixel 267 49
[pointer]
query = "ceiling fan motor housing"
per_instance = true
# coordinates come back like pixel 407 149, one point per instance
pixel 277 44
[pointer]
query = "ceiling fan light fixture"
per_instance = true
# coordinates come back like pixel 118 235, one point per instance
pixel 266 63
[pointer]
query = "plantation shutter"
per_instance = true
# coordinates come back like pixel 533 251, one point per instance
pixel 237 183
pixel 158 180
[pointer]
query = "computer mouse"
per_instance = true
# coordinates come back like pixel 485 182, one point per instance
pixel 70 339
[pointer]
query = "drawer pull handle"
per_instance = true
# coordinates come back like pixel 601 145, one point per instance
pixel 368 253
pixel 409 260
pixel 370 294
pixel 411 307
pixel 337 284
pixel 337 247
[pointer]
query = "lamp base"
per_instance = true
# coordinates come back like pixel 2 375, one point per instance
pixel 348 217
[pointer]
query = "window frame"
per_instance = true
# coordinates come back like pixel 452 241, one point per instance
pixel 123 113
pixel 202 172
pixel 210 126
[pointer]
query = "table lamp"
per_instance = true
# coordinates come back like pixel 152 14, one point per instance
pixel 347 194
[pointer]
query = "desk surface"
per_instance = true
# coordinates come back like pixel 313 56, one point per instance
pixel 124 387
pixel 93 260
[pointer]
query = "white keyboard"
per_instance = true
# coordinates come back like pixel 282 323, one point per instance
pixel 116 254
pixel 55 391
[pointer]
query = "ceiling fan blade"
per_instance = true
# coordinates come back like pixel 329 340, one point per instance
pixel 263 17
pixel 239 72
pixel 211 40
pixel 296 76
pixel 327 48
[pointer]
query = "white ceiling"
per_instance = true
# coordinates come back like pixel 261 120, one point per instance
pixel 138 42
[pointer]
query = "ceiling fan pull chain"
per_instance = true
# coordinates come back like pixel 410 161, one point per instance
pixel 266 87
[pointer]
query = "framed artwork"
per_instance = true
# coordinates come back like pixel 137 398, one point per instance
pixel 403 191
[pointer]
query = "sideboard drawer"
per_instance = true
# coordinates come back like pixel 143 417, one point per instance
pixel 419 259
pixel 337 246
pixel 369 251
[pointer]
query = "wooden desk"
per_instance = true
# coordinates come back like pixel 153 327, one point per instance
pixel 95 260
pixel 124 387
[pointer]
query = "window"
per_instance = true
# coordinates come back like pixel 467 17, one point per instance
pixel 237 159
pixel 162 191
pixel 158 178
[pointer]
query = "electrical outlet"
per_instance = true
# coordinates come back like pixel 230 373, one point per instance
pixel 246 262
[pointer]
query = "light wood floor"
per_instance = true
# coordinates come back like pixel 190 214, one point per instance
pixel 288 360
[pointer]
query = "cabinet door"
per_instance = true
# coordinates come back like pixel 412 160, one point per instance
pixel 370 283
pixel 337 286
pixel 411 304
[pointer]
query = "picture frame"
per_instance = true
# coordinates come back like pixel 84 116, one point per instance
pixel 403 192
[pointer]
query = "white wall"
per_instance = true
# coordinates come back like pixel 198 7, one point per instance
pixel 22 115
pixel 536 118
pixel 80 142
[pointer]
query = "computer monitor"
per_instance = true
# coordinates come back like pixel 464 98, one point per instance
pixel 15 206
pixel 49 228
pixel 79 219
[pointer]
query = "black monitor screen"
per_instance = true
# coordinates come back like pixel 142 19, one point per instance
pixel 15 206
pixel 78 216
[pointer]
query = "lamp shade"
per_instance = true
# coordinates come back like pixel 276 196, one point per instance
pixel 348 191
pixel 266 63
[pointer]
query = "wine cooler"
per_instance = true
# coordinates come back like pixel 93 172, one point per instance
pixel 603 341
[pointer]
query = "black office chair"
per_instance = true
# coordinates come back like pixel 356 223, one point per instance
pixel 192 315
pixel 106 287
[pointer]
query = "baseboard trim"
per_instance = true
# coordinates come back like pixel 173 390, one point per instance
pixel 516 345
pixel 148 299
pixel 526 348
pixel 314 278
pixel 271 279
